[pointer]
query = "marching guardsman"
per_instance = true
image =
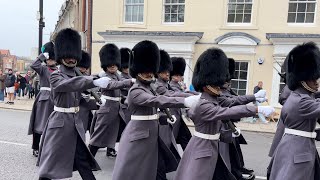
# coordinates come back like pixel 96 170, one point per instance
pixel 282 99
pixel 138 149
pixel 87 103
pixel 43 105
pixel 201 159
pixel 162 87
pixel 125 58
pixel 229 144
pixel 63 147
pixel 296 156
pixel 181 131
pixel 106 127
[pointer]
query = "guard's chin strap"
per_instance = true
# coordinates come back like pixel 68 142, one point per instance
pixel 69 65
pixel 305 85
pixel 213 90
pixel 146 80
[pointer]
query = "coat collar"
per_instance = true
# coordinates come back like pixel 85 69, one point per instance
pixel 160 81
pixel 209 97
pixel 68 71
pixel 114 76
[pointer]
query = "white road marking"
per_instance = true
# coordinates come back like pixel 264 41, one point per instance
pixel 13 143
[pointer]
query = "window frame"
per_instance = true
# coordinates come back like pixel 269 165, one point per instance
pixel 238 80
pixel 164 13
pixel 302 23
pixel 132 4
pixel 240 23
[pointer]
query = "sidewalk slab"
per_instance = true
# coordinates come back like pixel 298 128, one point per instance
pixel 23 104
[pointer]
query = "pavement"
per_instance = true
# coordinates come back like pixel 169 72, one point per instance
pixel 19 164
pixel 245 124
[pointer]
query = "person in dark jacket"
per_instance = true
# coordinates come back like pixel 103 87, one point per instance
pixel 9 83
pixel 2 86
pixel 22 85
pixel 63 147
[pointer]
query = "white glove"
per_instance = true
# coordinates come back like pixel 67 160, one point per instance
pixel 234 135
pixel 191 100
pixel 260 94
pixel 133 80
pixel 46 55
pixel 101 82
pixel 262 100
pixel 174 120
pixel 266 110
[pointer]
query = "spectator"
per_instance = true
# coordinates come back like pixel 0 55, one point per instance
pixel 28 78
pixel 30 89
pixel 35 84
pixel 22 85
pixel 9 83
pixel 255 90
pixel 258 87
pixel 2 86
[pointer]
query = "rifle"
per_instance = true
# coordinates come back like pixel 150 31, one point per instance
pixel 165 110
pixel 94 94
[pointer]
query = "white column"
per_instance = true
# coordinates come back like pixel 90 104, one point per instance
pixel 274 101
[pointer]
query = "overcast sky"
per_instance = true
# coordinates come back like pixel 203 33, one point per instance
pixel 19 26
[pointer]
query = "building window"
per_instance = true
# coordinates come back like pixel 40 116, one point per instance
pixel 282 84
pixel 239 11
pixel 239 85
pixel 174 11
pixel 134 11
pixel 301 11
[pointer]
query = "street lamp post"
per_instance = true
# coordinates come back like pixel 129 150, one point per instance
pixel 41 24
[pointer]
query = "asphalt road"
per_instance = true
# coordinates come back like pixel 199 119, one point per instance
pixel 17 162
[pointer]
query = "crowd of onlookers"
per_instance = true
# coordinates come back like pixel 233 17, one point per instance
pixel 16 86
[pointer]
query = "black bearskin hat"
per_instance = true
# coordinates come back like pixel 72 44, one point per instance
pixel 110 55
pixel 303 64
pixel 165 62
pixel 178 66
pixel 67 45
pixel 212 68
pixel 145 57
pixel 85 61
pixel 125 57
pixel 49 48
pixel 232 69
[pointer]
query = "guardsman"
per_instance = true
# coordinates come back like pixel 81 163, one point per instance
pixel 138 149
pixel 181 131
pixel 63 147
pixel 296 156
pixel 201 159
pixel 87 103
pixel 106 126
pixel 229 144
pixel 43 105
pixel 162 87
